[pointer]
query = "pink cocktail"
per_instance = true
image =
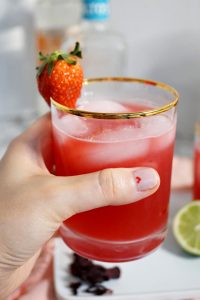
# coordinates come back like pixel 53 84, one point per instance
pixel 142 135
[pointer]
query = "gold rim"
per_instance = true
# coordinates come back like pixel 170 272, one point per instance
pixel 99 115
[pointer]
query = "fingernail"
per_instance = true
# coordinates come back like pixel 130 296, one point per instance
pixel 146 179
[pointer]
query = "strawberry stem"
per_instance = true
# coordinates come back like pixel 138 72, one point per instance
pixel 77 51
pixel 50 59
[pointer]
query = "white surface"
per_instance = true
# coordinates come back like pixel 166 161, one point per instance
pixel 168 273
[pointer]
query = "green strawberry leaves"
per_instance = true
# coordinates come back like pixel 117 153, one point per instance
pixel 50 59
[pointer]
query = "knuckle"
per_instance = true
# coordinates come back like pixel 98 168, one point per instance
pixel 13 144
pixel 111 185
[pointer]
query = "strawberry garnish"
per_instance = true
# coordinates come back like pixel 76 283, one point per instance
pixel 60 76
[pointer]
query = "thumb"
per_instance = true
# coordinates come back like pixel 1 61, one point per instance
pixel 107 187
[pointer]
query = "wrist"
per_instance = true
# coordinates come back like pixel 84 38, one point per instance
pixel 9 282
pixel 12 278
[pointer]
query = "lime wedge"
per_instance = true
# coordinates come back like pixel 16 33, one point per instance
pixel 186 227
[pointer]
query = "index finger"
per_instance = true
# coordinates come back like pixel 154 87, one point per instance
pixel 31 151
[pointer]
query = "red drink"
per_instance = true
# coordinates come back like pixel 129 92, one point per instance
pixel 86 145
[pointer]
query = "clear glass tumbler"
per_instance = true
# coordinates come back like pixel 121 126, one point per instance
pixel 118 122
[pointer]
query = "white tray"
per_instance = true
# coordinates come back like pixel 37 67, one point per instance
pixel 168 273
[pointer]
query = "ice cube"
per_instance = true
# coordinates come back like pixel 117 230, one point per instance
pixel 99 155
pixel 81 127
pixel 72 125
pixel 118 153
pixel 102 106
pixel 166 139
pixel 161 129
pixel 158 125
pixel 119 133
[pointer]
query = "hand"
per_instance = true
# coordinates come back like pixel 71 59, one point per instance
pixel 34 202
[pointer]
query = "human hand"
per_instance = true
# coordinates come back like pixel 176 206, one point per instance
pixel 34 202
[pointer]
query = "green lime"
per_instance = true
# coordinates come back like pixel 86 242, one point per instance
pixel 186 227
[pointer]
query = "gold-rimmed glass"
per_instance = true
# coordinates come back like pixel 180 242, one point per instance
pixel 151 112
pixel 118 122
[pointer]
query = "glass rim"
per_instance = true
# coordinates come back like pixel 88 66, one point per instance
pixel 128 115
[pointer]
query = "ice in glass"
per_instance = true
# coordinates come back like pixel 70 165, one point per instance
pixel 134 125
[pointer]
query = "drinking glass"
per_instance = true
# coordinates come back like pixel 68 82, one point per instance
pixel 118 123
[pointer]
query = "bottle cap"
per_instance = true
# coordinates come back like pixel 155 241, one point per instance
pixel 96 9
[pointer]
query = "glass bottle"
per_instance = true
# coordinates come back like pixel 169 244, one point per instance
pixel 103 49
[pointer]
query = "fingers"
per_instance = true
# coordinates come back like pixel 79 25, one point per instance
pixel 32 150
pixel 39 129
pixel 108 187
pixel 39 138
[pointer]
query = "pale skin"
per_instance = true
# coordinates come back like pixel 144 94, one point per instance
pixel 34 203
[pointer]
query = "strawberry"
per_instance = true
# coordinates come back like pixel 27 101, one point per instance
pixel 60 76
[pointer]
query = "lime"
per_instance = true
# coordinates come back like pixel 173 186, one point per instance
pixel 186 227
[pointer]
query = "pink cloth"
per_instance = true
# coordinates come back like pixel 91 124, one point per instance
pixel 39 285
pixel 182 173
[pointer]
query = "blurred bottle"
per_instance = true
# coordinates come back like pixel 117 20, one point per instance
pixel 17 75
pixel 17 93
pixel 103 49
pixel 52 19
